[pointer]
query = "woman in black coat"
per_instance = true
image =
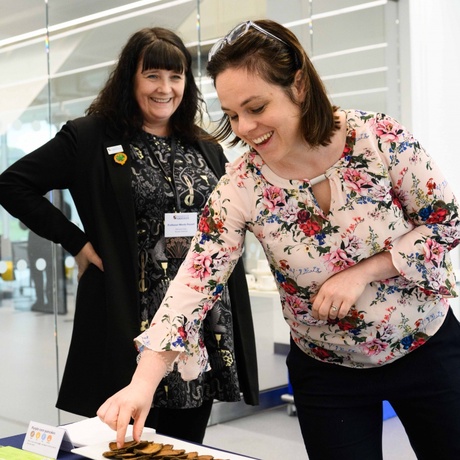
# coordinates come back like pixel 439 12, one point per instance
pixel 136 156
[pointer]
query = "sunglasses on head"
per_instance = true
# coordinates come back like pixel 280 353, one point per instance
pixel 238 32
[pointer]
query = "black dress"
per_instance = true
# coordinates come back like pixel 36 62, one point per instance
pixel 154 194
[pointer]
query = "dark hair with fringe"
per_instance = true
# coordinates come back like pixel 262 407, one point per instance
pixel 278 63
pixel 157 48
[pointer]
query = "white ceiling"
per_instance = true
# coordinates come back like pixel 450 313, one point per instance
pixel 20 16
pixel 76 51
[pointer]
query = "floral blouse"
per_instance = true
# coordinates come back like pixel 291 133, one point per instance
pixel 387 194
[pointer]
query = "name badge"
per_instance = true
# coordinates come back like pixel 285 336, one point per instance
pixel 114 149
pixel 180 224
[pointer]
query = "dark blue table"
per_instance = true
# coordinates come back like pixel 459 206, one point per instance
pixel 18 440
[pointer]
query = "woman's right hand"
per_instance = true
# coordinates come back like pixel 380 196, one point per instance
pixel 135 400
pixel 85 257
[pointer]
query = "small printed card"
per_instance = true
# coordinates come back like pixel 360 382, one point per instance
pixel 44 440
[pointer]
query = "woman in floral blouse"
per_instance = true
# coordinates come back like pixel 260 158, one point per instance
pixel 357 223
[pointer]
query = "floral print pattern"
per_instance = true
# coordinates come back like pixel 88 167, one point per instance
pixel 387 194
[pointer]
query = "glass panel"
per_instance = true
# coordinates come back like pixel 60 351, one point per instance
pixel 321 7
pixel 40 95
pixel 328 30
pixel 41 88
pixel 27 322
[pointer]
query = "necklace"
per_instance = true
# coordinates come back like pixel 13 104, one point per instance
pixel 318 179
pixel 169 178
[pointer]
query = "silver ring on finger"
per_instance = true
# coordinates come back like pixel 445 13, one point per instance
pixel 334 309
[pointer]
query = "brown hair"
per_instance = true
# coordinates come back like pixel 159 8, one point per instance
pixel 157 48
pixel 278 64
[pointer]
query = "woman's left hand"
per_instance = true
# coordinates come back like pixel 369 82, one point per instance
pixel 339 293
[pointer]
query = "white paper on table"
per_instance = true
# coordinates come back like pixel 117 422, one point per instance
pixel 94 431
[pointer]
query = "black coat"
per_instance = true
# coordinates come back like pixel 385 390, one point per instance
pixel 102 356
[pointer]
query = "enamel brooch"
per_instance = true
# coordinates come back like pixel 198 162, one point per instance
pixel 120 158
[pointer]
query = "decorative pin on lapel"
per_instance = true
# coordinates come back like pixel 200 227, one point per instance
pixel 120 158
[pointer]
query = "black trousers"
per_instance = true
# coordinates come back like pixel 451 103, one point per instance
pixel 340 409
pixel 186 424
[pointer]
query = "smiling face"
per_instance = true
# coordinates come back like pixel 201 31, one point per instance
pixel 158 93
pixel 261 114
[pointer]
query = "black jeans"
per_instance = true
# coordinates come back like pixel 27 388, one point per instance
pixel 340 409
